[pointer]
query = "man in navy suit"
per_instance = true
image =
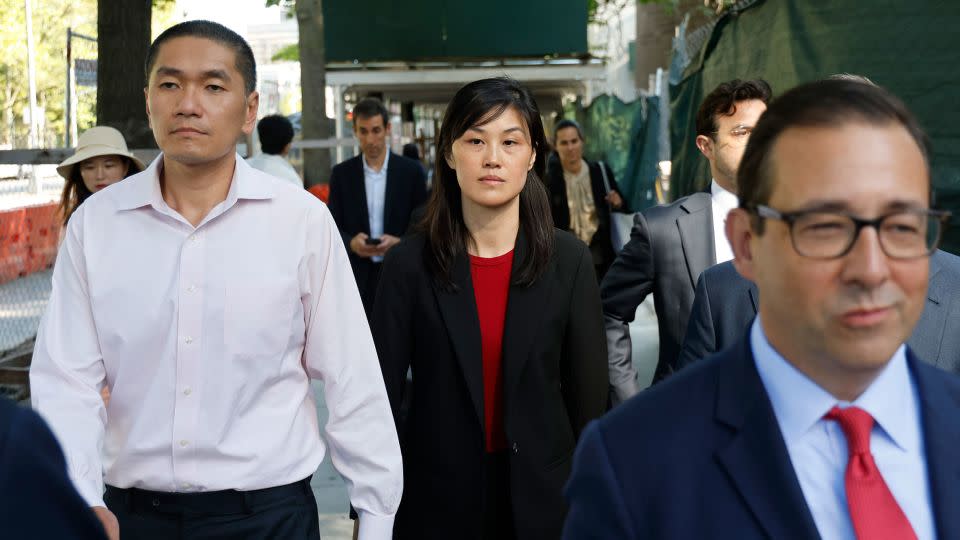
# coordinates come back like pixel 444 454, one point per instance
pixel 819 422
pixel 373 195
pixel 37 499
pixel 726 303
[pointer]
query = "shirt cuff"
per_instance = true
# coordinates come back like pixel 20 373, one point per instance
pixel 90 494
pixel 375 527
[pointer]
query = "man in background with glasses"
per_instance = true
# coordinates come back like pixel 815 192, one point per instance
pixel 726 302
pixel 670 245
pixel 819 422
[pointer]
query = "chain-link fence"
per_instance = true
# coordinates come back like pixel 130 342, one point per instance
pixel 29 234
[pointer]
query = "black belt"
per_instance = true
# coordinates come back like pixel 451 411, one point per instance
pixel 228 501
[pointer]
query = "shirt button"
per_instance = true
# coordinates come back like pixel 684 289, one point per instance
pixel 191 288
pixel 187 391
pixel 195 238
pixel 185 486
pixel 184 442
pixel 188 340
pixel 515 448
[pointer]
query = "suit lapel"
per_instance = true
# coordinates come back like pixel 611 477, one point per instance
pixel 754 297
pixel 390 197
pixel 521 324
pixel 696 237
pixel 941 436
pixel 756 457
pixel 459 312
pixel 361 191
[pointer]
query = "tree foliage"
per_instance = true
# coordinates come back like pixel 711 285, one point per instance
pixel 50 19
pixel 290 53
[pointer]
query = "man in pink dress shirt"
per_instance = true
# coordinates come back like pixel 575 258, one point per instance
pixel 207 295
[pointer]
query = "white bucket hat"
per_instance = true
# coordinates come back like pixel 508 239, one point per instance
pixel 98 141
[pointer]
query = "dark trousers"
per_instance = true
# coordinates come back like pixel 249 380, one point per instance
pixel 497 502
pixel 368 290
pixel 288 512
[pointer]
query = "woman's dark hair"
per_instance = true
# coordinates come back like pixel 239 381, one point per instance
pixel 567 123
pixel 244 60
pixel 476 104
pixel 75 191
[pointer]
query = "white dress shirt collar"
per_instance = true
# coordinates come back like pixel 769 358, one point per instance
pixel 367 169
pixel 799 402
pixel 722 197
pixel 722 203
pixel 144 189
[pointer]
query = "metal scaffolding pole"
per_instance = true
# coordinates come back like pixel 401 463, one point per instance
pixel 33 141
pixel 71 108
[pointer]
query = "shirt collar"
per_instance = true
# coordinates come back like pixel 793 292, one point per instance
pixel 143 189
pixel 722 197
pixel 369 170
pixel 799 403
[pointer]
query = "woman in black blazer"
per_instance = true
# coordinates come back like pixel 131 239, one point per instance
pixel 498 314
pixel 588 217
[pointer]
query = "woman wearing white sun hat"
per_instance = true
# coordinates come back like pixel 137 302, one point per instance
pixel 101 159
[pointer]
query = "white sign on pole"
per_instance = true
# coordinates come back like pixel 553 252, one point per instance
pixel 85 72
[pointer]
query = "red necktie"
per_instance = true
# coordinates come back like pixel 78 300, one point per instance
pixel 873 510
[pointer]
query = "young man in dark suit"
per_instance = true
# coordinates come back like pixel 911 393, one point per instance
pixel 820 422
pixel 726 304
pixel 37 498
pixel 671 244
pixel 373 195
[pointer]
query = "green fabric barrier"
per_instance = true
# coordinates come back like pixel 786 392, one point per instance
pixel 625 135
pixel 907 47
pixel 387 30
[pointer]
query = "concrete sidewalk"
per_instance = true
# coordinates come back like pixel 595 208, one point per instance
pixel 329 489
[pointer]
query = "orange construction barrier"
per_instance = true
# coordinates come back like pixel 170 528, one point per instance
pixel 28 240
pixel 321 191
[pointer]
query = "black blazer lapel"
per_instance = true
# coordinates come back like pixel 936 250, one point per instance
pixel 359 187
pixel 756 457
pixel 459 312
pixel 696 237
pixel 941 436
pixel 392 197
pixel 521 326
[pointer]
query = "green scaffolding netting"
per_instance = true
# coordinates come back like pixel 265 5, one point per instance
pixel 625 135
pixel 907 47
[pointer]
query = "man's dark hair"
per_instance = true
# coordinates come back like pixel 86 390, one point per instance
pixel 412 151
pixel 245 63
pixel 723 101
pixel 275 133
pixel 368 108
pixel 567 123
pixel 827 103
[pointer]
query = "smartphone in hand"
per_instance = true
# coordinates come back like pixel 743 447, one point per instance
pixel 372 241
